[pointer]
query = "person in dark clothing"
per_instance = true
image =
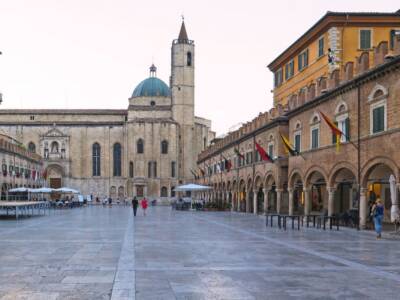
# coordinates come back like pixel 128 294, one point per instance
pixel 135 204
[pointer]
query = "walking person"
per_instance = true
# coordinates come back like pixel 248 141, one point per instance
pixel 144 205
pixel 135 204
pixel 377 212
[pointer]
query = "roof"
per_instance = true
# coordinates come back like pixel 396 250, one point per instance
pixel 63 111
pixel 183 37
pixel 151 87
pixel 329 18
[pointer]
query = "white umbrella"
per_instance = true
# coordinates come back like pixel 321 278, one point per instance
pixel 192 187
pixel 42 190
pixel 67 190
pixel 19 190
pixel 394 211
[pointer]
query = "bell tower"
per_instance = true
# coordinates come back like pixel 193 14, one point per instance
pixel 182 88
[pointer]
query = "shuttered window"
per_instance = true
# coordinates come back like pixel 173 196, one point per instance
pixel 314 138
pixel 297 142
pixel 320 47
pixel 289 70
pixel 365 39
pixel 302 60
pixel 378 121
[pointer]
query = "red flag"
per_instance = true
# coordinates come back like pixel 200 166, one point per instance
pixel 264 155
pixel 335 130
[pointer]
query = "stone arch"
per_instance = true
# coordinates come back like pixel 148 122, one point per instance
pixel 341 107
pixel 343 165
pixel 258 182
pixel 269 179
pixel 113 191
pixel 293 174
pixel 164 192
pixel 367 169
pixel 315 118
pixel 301 99
pixel 378 92
pixel 314 169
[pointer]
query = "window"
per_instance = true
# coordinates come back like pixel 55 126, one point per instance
pixel 297 142
pixel 270 150
pixel 32 147
pixel 96 159
pixel 54 147
pixel 164 192
pixel 32 118
pixel 249 157
pixel 365 39
pixel 140 146
pixel 131 169
pixel 320 47
pixel 289 70
pixel 189 59
pixel 257 157
pixel 303 60
pixel 173 191
pixel 164 147
pixel 315 138
pixel 392 37
pixel 173 169
pixel 117 159
pixel 343 123
pixel 278 78
pixel 378 119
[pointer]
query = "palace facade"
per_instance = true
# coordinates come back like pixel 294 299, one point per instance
pixel 144 150
pixel 361 96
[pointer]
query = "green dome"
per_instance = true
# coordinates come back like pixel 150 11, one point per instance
pixel 151 87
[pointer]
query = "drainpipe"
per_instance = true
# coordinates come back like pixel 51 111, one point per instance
pixel 358 153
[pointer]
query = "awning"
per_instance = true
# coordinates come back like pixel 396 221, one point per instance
pixel 192 187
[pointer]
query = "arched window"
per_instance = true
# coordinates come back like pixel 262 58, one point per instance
pixel 131 169
pixel 173 191
pixel 117 159
pixel 140 146
pixel 189 59
pixel 32 147
pixel 164 147
pixel 164 192
pixel 96 159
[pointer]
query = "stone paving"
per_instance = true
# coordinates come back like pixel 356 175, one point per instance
pixel 102 253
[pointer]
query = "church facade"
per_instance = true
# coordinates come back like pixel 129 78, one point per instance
pixel 145 150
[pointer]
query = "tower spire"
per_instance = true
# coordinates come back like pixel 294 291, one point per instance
pixel 183 37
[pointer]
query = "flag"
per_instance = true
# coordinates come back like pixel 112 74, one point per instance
pixel 202 172
pixel 264 155
pixel 227 163
pixel 194 173
pixel 335 130
pixel 238 153
pixel 289 148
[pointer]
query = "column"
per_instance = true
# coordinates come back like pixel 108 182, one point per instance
pixel 248 202
pixel 331 200
pixel 363 208
pixel 278 200
pixel 291 201
pixel 266 200
pixel 255 208
pixel 307 201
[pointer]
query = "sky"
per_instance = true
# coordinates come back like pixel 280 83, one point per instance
pixel 93 53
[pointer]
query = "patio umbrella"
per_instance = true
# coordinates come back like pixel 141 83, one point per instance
pixel 67 190
pixel 394 211
pixel 19 190
pixel 42 190
pixel 192 187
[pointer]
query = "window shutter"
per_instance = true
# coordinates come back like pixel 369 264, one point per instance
pixel 347 131
pixel 381 118
pixel 300 62
pixel 392 37
pixel 306 58
pixel 334 138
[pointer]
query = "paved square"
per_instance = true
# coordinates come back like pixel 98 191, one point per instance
pixel 102 253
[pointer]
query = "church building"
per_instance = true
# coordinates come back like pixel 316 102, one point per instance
pixel 145 150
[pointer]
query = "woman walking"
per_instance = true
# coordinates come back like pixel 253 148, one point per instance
pixel 144 205
pixel 135 204
pixel 377 211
